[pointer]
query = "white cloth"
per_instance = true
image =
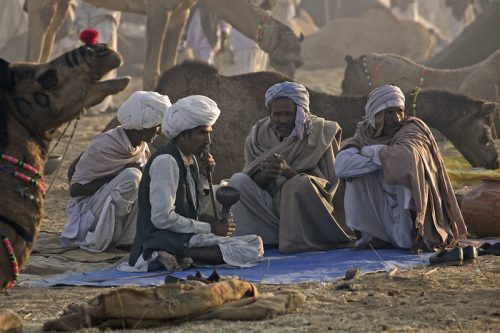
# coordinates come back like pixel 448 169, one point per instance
pixel 106 22
pixel 143 109
pixel 105 219
pixel 197 41
pixel 247 55
pixel 188 113
pixel 372 206
pixel 240 251
pixel 381 98
pixel 285 10
pixel 13 20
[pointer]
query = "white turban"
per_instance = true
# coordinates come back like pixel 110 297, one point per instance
pixel 381 98
pixel 188 113
pixel 300 97
pixel 143 109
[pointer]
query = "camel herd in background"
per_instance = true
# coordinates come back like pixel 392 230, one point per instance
pixel 35 99
pixel 166 20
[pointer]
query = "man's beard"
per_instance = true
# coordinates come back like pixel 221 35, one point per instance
pixel 280 128
pixel 393 129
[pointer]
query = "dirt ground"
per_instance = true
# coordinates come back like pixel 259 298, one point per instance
pixel 452 299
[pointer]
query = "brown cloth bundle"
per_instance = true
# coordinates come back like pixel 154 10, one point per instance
pixel 232 299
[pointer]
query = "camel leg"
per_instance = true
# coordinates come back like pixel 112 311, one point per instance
pixel 62 11
pixel 172 38
pixel 157 22
pixel 40 13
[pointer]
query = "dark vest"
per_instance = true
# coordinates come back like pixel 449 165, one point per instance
pixel 184 205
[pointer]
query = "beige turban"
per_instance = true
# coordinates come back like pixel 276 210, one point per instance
pixel 188 113
pixel 381 98
pixel 143 109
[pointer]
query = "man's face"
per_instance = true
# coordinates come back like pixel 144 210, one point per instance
pixel 197 140
pixel 148 134
pixel 283 116
pixel 393 120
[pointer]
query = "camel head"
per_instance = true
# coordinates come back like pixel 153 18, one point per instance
pixel 34 100
pixel 478 147
pixel 42 97
pixel 355 80
pixel 286 55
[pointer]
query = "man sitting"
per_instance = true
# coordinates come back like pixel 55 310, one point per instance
pixel 102 210
pixel 174 191
pixel 397 190
pixel 288 183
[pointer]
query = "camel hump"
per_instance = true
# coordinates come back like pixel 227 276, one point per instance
pixel 377 12
pixel 190 68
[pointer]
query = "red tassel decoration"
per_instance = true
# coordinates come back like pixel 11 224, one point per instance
pixel 89 36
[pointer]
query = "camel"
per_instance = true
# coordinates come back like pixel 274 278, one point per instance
pixel 476 42
pixel 303 24
pixel 34 101
pixel 375 29
pixel 465 122
pixel 480 81
pixel 166 20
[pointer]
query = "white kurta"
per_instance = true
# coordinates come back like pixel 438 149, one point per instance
pixel 247 55
pixel 243 251
pixel 108 217
pixel 372 206
pixel 196 40
pixel 105 219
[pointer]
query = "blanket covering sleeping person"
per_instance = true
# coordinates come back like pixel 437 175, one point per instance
pixel 231 299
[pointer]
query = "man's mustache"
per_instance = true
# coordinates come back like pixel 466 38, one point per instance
pixel 286 127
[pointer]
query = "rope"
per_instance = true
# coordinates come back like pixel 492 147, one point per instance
pixel 417 91
pixel 59 139
pixel 12 259
pixel 56 173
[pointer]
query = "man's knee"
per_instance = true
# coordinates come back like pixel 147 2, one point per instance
pixel 240 180
pixel 129 178
pixel 298 183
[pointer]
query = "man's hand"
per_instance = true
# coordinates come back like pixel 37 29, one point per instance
pixel 135 164
pixel 275 166
pixel 205 161
pixel 223 229
pixel 272 167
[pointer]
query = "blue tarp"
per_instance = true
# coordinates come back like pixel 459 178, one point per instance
pixel 275 268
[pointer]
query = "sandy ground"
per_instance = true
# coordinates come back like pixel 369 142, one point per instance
pixel 453 299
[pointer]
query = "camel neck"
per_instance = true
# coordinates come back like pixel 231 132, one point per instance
pixel 251 15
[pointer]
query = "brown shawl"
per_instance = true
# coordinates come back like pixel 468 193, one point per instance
pixel 412 159
pixel 314 154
